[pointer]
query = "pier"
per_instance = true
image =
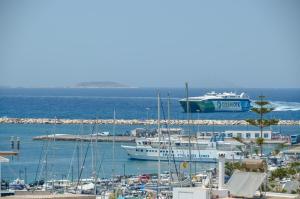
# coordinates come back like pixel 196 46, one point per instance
pixel 133 121
pixel 123 138
pixel 85 138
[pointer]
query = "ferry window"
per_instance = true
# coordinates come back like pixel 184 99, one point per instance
pixel 266 135
pixel 146 150
pixel 141 150
pixel 177 144
pixel 256 135
pixel 248 135
pixel 136 150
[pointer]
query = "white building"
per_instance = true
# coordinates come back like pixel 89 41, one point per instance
pixel 249 134
pixel 241 134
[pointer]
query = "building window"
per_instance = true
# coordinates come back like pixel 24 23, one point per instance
pixel 229 135
pixel 256 135
pixel 266 135
pixel 239 135
pixel 248 135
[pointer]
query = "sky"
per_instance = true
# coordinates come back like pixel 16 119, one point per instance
pixel 237 44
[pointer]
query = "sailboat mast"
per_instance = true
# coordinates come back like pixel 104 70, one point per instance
pixel 170 151
pixel 113 155
pixel 92 153
pixel 189 132
pixel 159 134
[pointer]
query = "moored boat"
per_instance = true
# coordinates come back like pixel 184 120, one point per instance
pixel 201 150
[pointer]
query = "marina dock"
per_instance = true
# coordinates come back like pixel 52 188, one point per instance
pixel 123 138
pixel 85 138
pixel 133 121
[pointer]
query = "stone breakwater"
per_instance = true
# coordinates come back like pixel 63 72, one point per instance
pixel 131 121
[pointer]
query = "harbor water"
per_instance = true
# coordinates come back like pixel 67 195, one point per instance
pixel 63 157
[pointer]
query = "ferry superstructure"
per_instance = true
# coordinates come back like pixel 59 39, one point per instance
pixel 178 149
pixel 217 102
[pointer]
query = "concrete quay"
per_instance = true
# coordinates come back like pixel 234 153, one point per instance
pixel 85 138
pixel 131 121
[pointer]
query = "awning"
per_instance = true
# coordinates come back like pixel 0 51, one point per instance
pixel 245 184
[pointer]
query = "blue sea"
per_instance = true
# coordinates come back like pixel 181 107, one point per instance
pixel 137 103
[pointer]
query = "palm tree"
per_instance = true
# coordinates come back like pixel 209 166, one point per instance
pixel 262 109
pixel 240 140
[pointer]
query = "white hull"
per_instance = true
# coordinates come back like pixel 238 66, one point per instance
pixel 207 155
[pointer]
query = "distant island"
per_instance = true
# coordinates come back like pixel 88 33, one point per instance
pixel 100 84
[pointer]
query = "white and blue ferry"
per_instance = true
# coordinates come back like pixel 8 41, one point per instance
pixel 218 102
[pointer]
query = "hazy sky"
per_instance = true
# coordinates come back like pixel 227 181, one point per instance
pixel 150 43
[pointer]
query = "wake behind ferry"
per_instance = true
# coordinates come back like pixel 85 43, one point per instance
pixel 217 102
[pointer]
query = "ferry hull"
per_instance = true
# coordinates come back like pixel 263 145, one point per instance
pixel 179 155
pixel 216 105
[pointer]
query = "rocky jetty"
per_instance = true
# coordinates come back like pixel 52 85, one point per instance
pixel 131 121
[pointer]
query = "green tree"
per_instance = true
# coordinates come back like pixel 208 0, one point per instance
pixel 240 140
pixel 231 166
pixel 262 108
